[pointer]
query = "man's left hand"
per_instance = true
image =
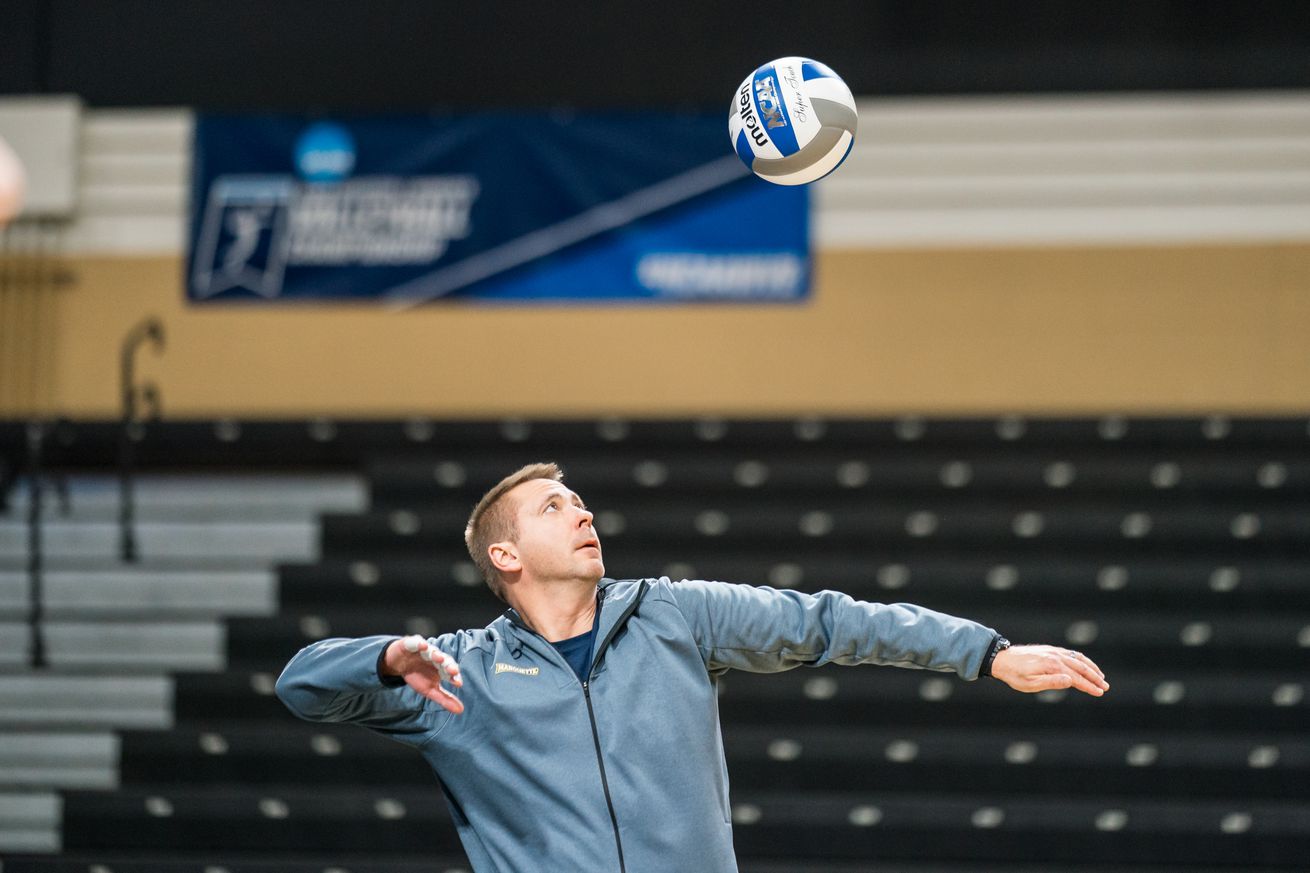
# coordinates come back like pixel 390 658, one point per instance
pixel 1043 668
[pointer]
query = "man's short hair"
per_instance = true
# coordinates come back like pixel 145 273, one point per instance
pixel 493 520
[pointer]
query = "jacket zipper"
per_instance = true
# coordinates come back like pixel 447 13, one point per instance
pixel 609 802
pixel 591 714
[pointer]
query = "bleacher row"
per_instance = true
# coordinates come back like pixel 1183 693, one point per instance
pixel 1175 551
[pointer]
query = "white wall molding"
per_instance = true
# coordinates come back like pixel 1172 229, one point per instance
pixel 1068 170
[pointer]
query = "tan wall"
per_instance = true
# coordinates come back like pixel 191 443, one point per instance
pixel 1161 329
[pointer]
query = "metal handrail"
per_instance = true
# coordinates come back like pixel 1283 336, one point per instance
pixel 36 433
pixel 133 426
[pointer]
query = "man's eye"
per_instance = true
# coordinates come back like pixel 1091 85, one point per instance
pixel 554 504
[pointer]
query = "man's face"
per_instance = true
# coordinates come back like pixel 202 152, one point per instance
pixel 556 541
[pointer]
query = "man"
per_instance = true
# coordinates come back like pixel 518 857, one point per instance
pixel 580 730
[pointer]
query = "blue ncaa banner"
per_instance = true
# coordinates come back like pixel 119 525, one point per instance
pixel 548 206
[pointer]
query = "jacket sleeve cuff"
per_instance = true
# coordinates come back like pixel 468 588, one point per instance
pixel 993 649
pixel 388 681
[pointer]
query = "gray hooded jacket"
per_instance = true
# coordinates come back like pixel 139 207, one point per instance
pixel 624 772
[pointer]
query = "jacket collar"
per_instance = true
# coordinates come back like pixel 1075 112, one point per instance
pixel 612 607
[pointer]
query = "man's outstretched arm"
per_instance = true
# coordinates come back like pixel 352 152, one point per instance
pixel 766 630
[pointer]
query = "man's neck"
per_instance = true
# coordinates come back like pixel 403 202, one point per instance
pixel 558 612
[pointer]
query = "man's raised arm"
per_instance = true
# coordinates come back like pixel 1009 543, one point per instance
pixel 383 683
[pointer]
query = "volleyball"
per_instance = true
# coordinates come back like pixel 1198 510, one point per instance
pixel 792 121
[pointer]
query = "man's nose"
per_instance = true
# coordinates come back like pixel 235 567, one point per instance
pixel 586 516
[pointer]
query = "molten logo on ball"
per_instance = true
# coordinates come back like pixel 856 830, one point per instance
pixel 749 124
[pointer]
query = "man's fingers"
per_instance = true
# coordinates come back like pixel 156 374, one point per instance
pixel 445 664
pixel 443 698
pixel 446 700
pixel 1075 673
pixel 1086 675
pixel 432 667
pixel 1082 683
pixel 1050 682
pixel 1087 664
pixel 447 668
pixel 1089 672
pixel 431 688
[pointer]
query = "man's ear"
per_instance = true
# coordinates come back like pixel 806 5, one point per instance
pixel 504 557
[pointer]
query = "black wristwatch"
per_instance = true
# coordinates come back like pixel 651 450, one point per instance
pixel 999 644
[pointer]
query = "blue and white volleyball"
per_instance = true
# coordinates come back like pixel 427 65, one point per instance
pixel 792 121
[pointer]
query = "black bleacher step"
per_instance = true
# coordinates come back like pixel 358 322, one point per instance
pixel 804 825
pixel 891 697
pixel 290 443
pixel 268 643
pixel 1169 640
pixel 978 827
pixel 1019 866
pixel 267 818
pixel 217 860
pixel 231 694
pixel 695 473
pixel 1148 431
pixel 212 861
pixel 1182 639
pixel 874 697
pixel 745 523
pixel 255 752
pixel 389 579
pixel 865 571
pixel 1017 761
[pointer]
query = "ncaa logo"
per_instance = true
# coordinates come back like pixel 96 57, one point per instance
pixel 325 152
pixel 766 93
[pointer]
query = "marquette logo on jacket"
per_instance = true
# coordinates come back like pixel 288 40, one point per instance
pixel 502 667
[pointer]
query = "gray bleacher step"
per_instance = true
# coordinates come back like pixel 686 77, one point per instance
pixel 152 563
pixel 162 497
pixel 269 541
pixel 142 592
pixel 29 821
pixel 63 759
pixel 15 644
pixel 51 699
pixel 191 514
pixel 108 646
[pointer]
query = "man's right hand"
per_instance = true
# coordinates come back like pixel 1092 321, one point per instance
pixel 424 668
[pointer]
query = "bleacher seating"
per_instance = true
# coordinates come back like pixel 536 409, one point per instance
pixel 1175 551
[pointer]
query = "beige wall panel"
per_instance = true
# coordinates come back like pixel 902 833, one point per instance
pixel 1045 330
